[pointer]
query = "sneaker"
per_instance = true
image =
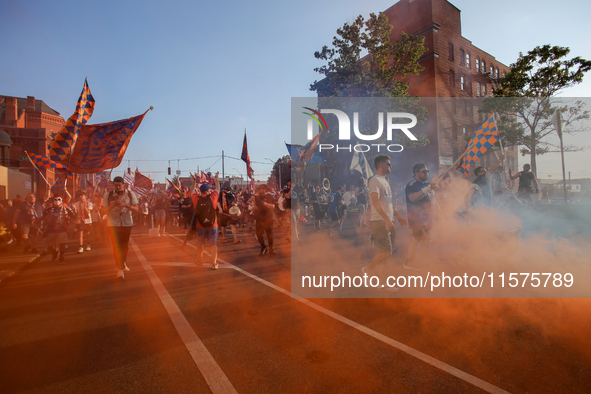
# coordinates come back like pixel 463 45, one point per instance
pixel 80 249
pixel 125 267
pixel 237 241
pixel 88 247
pixel 54 255
pixel 224 239
pixel 272 252
pixel 120 274
pixel 263 251
pixel 408 267
pixel 62 259
pixel 216 266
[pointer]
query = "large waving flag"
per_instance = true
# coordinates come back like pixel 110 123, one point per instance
pixel 484 138
pixel 60 148
pixel 246 158
pixel 102 146
pixel 359 163
pixel 106 184
pixel 47 164
pixel 296 150
pixel 143 181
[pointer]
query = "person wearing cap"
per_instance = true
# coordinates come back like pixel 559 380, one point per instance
pixel 118 206
pixel 206 234
pixel 56 219
pixel 420 198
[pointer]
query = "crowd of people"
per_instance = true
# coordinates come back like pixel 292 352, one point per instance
pixel 206 213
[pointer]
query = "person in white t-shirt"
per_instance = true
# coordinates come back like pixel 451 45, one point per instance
pixel 381 222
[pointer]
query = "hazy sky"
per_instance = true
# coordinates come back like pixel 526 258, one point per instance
pixel 212 69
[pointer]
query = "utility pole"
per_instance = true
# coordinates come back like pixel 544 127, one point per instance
pixel 557 121
pixel 223 174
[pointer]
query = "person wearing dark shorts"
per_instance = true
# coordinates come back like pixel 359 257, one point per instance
pixel 207 235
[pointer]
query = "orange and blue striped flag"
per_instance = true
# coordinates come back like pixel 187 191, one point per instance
pixel 62 145
pixel 483 139
pixel 47 164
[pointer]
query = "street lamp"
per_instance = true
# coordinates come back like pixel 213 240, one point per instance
pixel 278 170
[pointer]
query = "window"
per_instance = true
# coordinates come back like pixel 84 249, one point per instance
pixel 462 83
pixel 462 57
pixel 497 72
pixel 477 62
pixel 464 132
pixel 483 68
pixel 454 106
pixel 483 90
pixel 452 78
pixel 467 60
pixel 454 132
pixel 478 89
pixel 491 71
pixel 451 51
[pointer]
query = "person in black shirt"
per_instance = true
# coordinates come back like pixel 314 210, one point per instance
pixel 527 182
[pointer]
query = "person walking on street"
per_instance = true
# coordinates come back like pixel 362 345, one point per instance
pixel 381 221
pixel 420 198
pixel 119 205
pixel 56 220
pixel 83 209
pixel 205 220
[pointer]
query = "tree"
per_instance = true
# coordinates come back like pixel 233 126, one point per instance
pixel 282 170
pixel 364 63
pixel 531 86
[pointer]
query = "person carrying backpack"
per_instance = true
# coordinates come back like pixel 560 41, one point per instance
pixel 205 220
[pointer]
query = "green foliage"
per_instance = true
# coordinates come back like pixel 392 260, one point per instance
pixel 525 101
pixel 380 73
pixel 364 63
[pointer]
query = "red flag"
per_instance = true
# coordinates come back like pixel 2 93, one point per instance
pixel 246 158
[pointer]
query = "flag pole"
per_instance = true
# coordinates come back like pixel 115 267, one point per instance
pixel 455 163
pixel 34 166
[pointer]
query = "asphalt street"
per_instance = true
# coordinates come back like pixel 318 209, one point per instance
pixel 174 325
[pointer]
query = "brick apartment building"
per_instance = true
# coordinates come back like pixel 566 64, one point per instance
pixel 456 72
pixel 30 124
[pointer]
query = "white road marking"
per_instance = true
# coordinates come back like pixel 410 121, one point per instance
pixel 473 380
pixel 215 378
